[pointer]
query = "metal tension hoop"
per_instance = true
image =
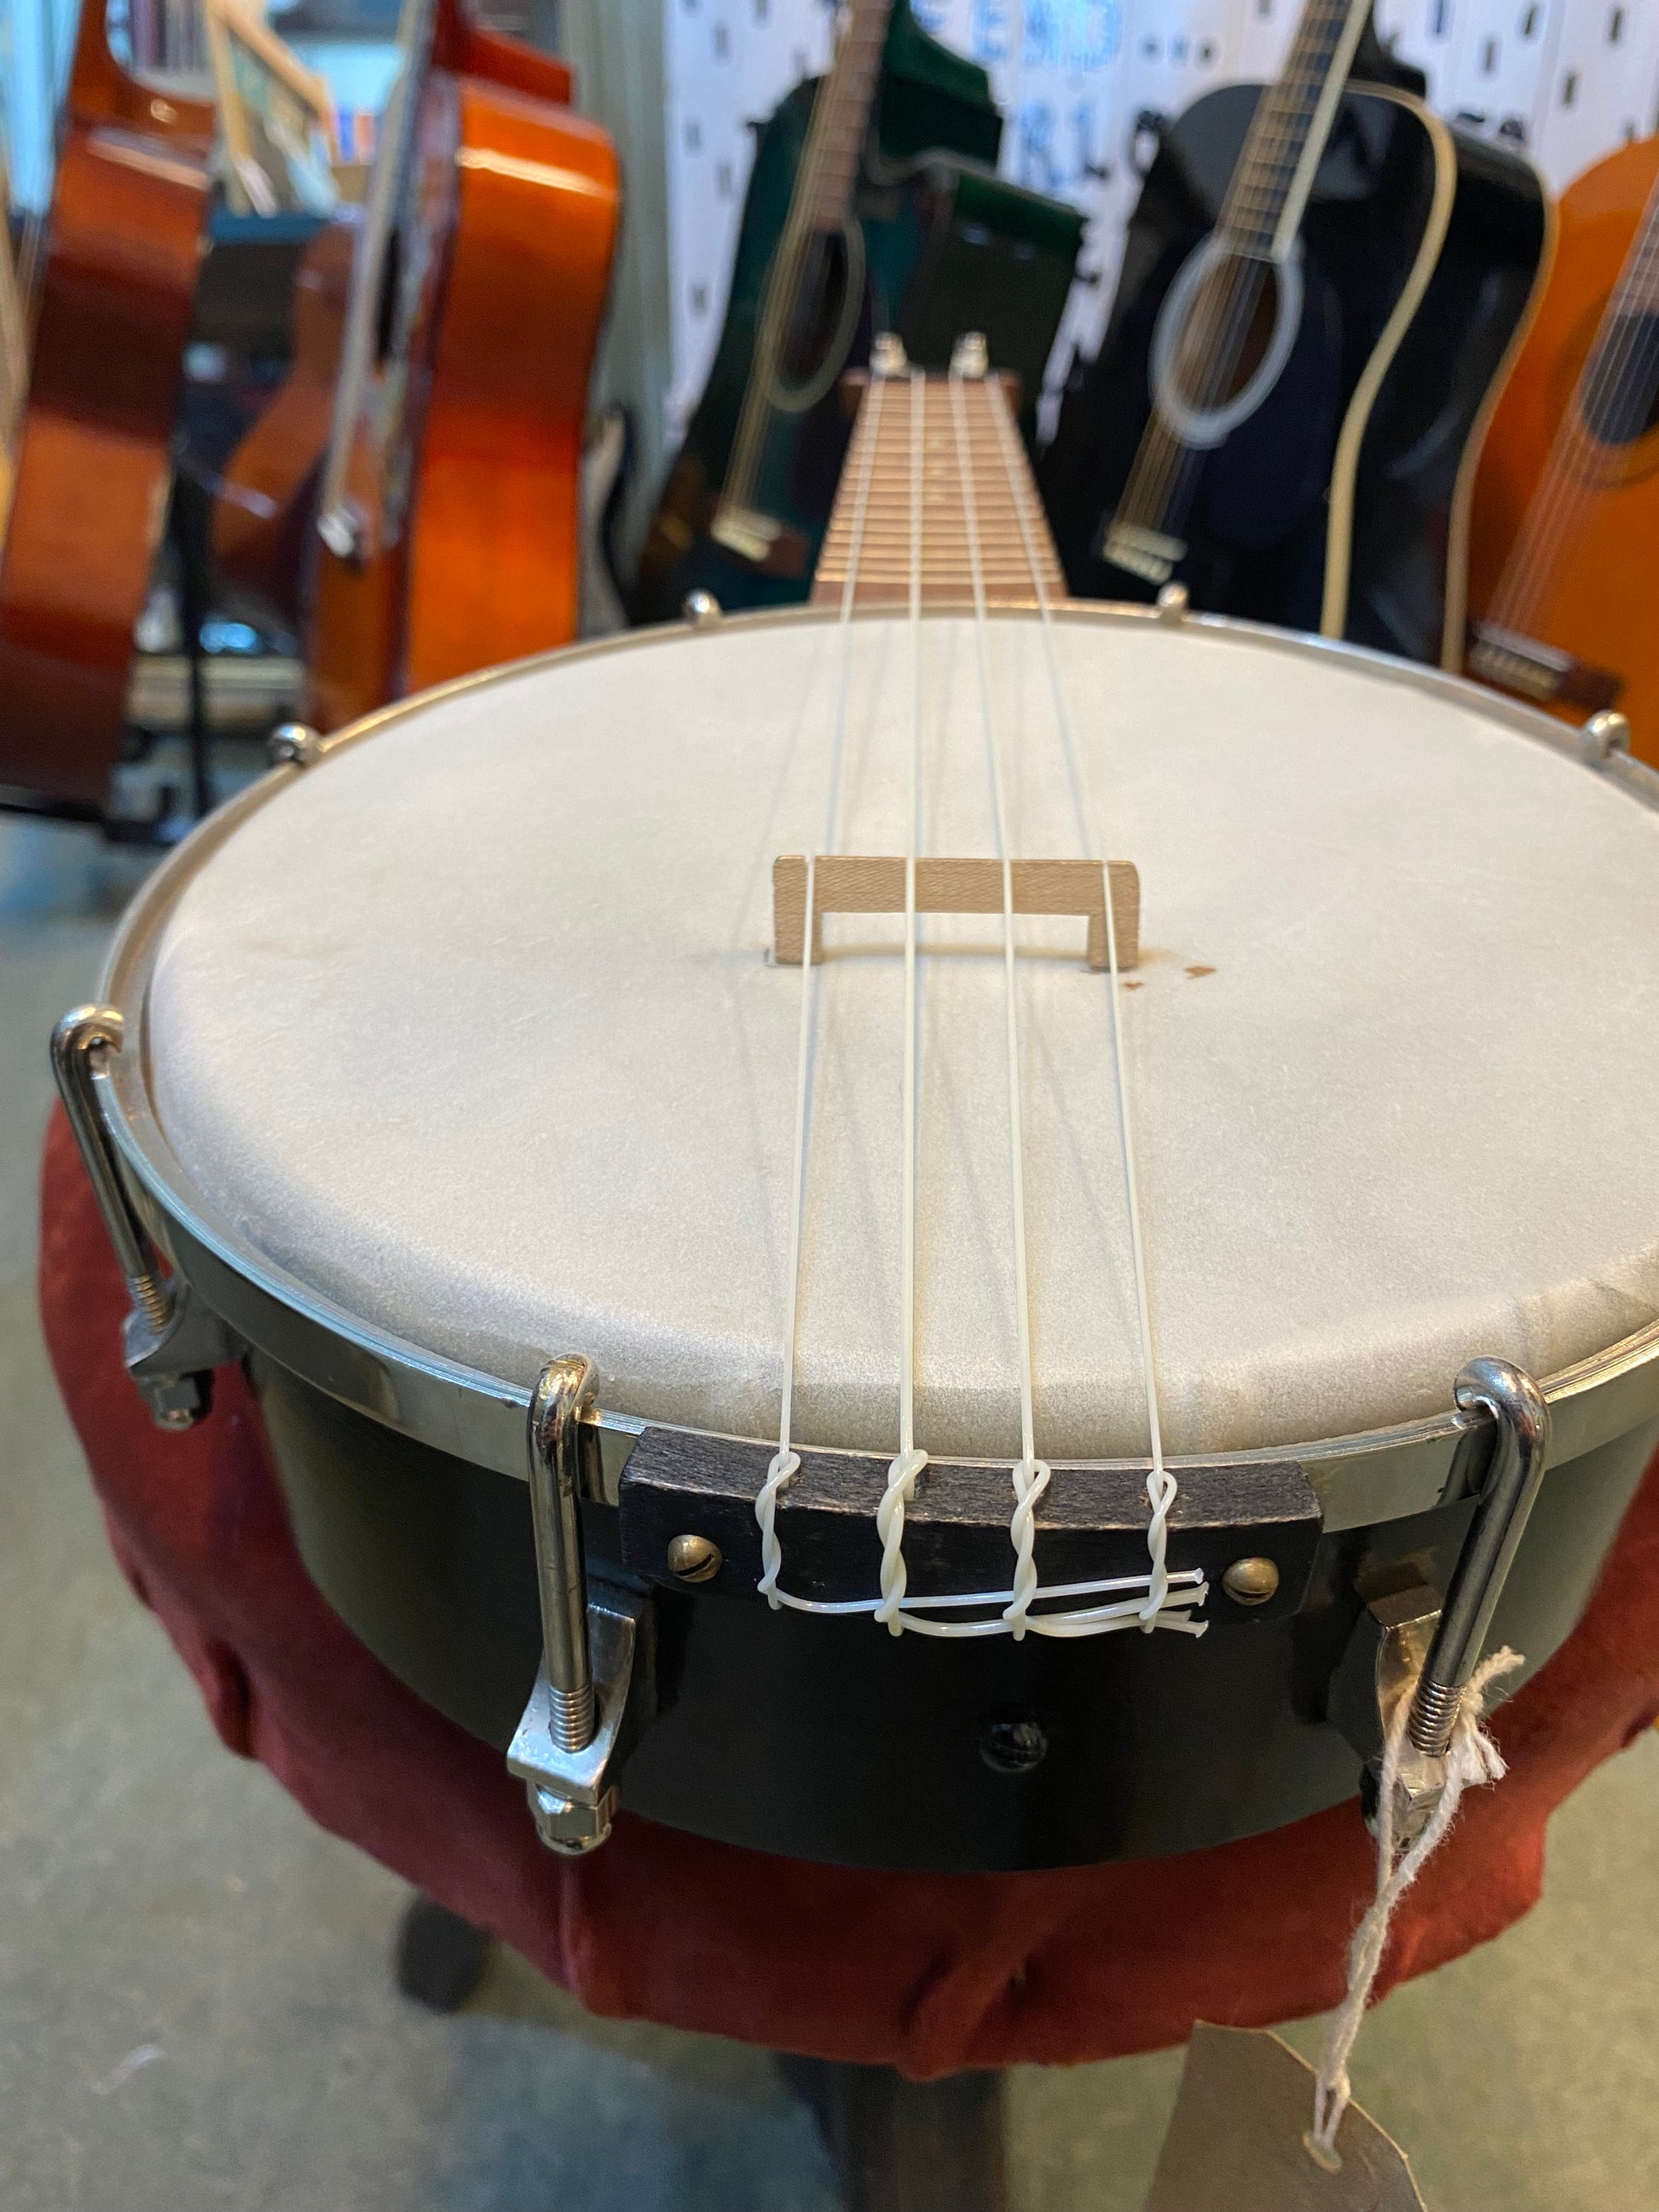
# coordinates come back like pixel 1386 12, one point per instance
pixel 569 1746
pixel 171 1341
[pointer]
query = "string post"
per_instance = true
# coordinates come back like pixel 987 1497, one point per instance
pixel 887 355
pixel 970 357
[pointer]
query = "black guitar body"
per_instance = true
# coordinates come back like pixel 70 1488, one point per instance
pixel 1291 522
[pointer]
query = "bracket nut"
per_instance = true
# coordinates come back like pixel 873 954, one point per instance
pixel 694 1558
pixel 701 610
pixel 1251 1582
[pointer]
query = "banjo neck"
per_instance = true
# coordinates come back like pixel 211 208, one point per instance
pixel 1015 547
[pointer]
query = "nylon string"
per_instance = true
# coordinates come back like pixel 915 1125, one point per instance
pixel 786 1461
pixel 1161 1488
pixel 1157 1599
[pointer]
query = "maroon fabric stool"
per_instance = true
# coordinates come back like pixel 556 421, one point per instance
pixel 932 1974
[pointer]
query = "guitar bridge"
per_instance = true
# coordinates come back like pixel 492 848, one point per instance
pixel 1148 554
pixel 766 543
pixel 1543 673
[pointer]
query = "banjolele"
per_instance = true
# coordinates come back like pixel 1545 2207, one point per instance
pixel 447 536
pixel 112 319
pixel 1566 503
pixel 873 204
pixel 1320 291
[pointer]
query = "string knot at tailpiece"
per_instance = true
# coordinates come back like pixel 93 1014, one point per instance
pixel 1472 1759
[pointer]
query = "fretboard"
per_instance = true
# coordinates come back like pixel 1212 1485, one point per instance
pixel 840 115
pixel 892 548
pixel 1270 186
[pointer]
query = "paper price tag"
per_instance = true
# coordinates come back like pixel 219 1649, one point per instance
pixel 1235 2143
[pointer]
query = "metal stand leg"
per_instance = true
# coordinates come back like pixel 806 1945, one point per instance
pixel 191 520
pixel 904 2146
pixel 440 1958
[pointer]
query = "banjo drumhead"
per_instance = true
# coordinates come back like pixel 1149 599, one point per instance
pixel 473 1031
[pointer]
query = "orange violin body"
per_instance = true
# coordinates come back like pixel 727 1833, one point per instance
pixel 1566 555
pixel 466 463
pixel 117 289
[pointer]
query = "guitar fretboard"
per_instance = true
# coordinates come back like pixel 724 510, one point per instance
pixel 1291 126
pixel 1004 495
pixel 840 115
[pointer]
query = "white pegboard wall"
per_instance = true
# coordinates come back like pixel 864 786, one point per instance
pixel 1567 79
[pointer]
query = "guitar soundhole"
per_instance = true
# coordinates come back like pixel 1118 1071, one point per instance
pixel 1226 333
pixel 818 309
pixel 1621 400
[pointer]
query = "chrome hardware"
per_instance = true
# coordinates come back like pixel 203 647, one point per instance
pixel 701 610
pixel 171 1342
pixel 1251 1582
pixel 568 1747
pixel 564 1388
pixel 295 744
pixel 887 355
pixel 1173 603
pixel 970 356
pixel 1382 1665
pixel 343 528
pixel 573 1792
pixel 694 1558
pixel 1516 1404
pixel 1605 734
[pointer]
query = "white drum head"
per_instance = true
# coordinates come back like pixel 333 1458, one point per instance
pixel 473 1029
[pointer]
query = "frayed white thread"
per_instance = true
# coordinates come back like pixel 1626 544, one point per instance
pixel 785 1467
pixel 890 1526
pixel 1472 1759
pixel 1031 1479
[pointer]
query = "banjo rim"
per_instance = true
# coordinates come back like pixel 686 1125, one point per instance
pixel 1359 1479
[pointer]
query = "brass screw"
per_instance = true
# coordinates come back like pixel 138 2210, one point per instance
pixel 694 1558
pixel 1251 1582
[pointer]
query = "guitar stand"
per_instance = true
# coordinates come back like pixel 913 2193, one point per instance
pixel 190 521
pixel 897 2146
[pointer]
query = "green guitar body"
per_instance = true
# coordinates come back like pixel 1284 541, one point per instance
pixel 948 246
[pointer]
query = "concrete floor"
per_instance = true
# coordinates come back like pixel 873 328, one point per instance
pixel 195 2005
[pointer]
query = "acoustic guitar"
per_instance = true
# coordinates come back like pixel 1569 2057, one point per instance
pixel 448 524
pixel 112 318
pixel 873 204
pixel 1320 288
pixel 1566 504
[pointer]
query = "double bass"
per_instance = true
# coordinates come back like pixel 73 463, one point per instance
pixel 449 509
pixel 112 320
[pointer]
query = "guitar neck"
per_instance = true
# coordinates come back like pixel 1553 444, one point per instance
pixel 385 198
pixel 840 118
pixel 1269 191
pixel 919 535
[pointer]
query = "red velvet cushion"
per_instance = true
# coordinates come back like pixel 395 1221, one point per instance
pixel 929 1972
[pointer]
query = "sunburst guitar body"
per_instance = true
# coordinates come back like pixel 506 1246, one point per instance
pixel 1566 504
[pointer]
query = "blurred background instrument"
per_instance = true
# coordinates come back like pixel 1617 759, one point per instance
pixel 873 204
pixel 1319 287
pixel 449 507
pixel 111 319
pixel 1566 505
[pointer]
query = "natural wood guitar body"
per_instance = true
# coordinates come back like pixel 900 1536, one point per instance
pixel 517 200
pixel 1592 598
pixel 90 496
